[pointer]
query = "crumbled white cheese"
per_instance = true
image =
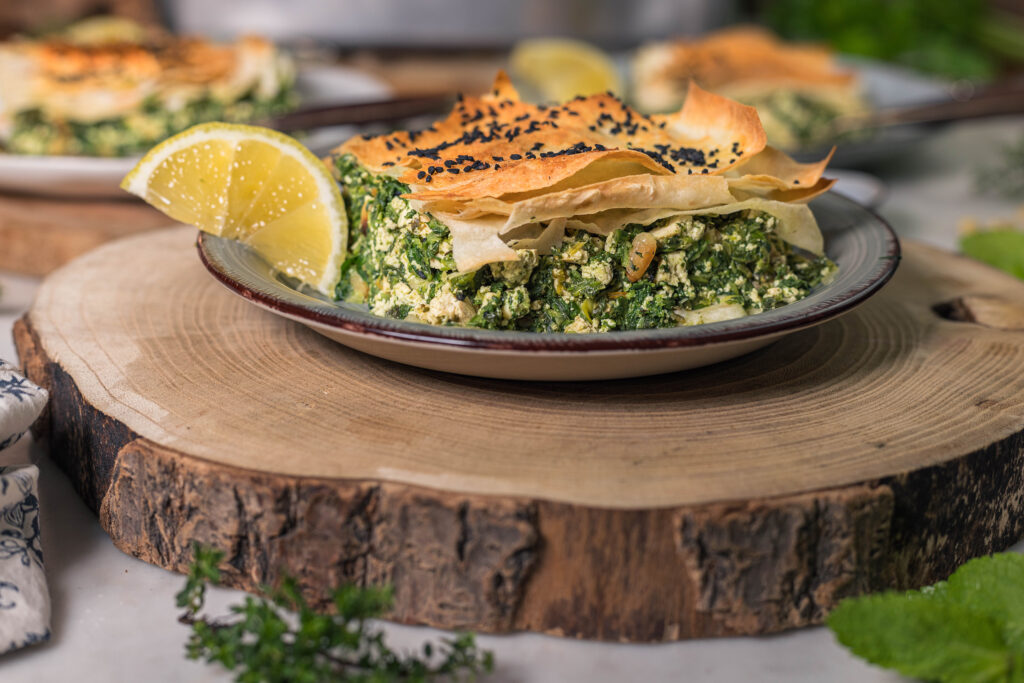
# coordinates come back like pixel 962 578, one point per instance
pixel 672 269
pixel 598 270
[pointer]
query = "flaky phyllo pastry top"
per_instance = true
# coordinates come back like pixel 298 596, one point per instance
pixel 68 82
pixel 742 62
pixel 503 174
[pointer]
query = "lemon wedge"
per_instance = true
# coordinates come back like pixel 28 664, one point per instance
pixel 560 69
pixel 104 30
pixel 254 185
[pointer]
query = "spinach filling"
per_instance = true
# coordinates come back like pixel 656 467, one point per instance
pixel 796 120
pixel 35 133
pixel 400 264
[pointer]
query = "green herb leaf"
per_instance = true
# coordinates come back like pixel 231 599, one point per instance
pixel 279 638
pixel 953 39
pixel 993 586
pixel 924 637
pixel 1003 249
pixel 969 629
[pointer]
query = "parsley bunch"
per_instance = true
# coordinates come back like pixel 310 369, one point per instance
pixel 958 39
pixel 969 628
pixel 280 639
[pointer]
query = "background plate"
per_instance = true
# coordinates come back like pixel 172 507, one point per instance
pixel 886 86
pixel 70 176
pixel 863 245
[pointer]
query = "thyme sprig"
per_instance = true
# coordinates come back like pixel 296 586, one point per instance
pixel 277 637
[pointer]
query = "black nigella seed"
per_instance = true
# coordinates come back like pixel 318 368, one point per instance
pixel 516 156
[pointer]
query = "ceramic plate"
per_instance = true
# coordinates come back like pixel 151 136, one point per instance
pixel 861 187
pixel 886 86
pixel 101 177
pixel 863 245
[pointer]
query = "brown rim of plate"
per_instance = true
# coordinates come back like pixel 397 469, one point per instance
pixel 769 323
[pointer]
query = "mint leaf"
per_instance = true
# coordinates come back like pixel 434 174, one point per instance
pixel 993 586
pixel 1003 249
pixel 925 637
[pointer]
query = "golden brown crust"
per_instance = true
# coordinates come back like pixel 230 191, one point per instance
pixel 498 145
pixel 751 54
pixel 788 172
pixel 180 60
pixel 710 120
pixel 87 82
pixel 529 176
pixel 73 64
pixel 774 174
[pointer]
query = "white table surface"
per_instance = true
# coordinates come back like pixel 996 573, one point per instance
pixel 114 617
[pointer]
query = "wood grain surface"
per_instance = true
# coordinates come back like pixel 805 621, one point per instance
pixel 878 450
pixel 40 234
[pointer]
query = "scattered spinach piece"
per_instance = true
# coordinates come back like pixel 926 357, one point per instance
pixel 279 638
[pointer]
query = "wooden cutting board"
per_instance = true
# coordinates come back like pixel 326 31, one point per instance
pixel 40 234
pixel 878 450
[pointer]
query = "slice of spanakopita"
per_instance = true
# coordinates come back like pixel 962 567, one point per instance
pixel 584 216
pixel 798 89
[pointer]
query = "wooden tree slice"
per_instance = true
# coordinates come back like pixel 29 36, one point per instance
pixel 40 234
pixel 878 450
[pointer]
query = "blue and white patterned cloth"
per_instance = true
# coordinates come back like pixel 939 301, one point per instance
pixel 24 598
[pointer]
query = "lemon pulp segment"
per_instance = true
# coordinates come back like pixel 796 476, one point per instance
pixel 253 185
